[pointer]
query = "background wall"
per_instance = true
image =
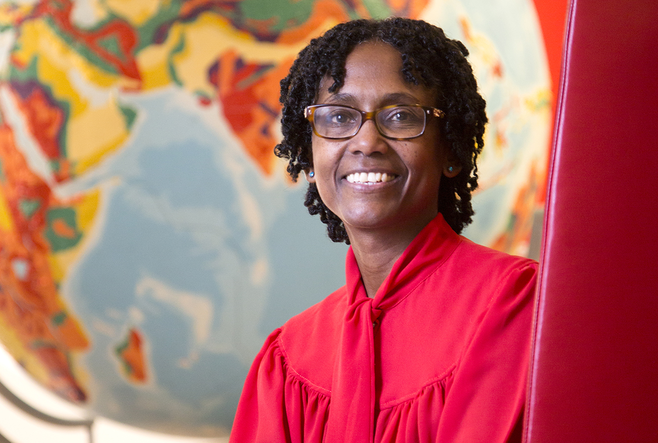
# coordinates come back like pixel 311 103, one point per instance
pixel 150 240
pixel 552 19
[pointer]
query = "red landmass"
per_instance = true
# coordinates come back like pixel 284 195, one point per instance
pixel 124 36
pixel 30 303
pixel 131 353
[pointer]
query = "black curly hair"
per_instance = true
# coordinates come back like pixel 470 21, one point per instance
pixel 428 58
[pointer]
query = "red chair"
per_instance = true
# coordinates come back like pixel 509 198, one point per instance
pixel 594 373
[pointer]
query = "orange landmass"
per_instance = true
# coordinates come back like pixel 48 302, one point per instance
pixel 44 120
pixel 250 96
pixel 131 353
pixel 407 8
pixel 120 32
pixel 189 7
pixel 30 303
pixel 323 11
pixel 62 229
pixel 249 92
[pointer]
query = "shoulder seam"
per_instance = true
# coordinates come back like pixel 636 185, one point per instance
pixel 291 370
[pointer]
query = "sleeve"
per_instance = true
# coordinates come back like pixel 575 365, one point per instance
pixel 261 411
pixel 486 400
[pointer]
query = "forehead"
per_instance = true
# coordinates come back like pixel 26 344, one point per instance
pixel 373 76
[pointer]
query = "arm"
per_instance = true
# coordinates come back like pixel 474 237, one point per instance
pixel 261 412
pixel 486 401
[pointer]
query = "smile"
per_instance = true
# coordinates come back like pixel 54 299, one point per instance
pixel 369 178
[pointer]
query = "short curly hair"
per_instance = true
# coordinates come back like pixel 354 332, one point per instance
pixel 429 58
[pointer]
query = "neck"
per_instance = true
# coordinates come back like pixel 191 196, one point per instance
pixel 376 251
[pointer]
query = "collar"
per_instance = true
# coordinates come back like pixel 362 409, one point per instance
pixel 427 251
pixel 353 391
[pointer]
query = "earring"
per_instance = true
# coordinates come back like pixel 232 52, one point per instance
pixel 311 174
pixel 450 169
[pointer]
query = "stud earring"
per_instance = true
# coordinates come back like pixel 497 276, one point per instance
pixel 311 174
pixel 450 169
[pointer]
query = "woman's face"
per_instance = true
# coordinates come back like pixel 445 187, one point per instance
pixel 408 200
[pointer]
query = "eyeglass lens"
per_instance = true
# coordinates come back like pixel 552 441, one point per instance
pixel 396 122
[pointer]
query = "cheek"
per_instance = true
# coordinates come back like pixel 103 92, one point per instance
pixel 317 151
pixel 325 158
pixel 425 158
pixel 328 194
pixel 428 168
pixel 323 168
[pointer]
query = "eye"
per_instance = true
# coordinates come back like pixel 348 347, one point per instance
pixel 402 116
pixel 340 116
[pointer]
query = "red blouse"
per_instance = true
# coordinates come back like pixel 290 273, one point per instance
pixel 440 354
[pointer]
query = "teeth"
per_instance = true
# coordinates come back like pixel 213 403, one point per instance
pixel 369 178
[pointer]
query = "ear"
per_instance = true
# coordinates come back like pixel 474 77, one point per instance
pixel 451 169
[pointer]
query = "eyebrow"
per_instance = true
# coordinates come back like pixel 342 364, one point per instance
pixel 395 98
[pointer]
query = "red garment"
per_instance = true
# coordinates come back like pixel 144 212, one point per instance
pixel 440 354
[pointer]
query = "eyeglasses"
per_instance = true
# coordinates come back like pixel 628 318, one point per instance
pixel 396 122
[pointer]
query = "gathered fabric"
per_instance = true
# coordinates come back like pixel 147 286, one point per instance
pixel 439 354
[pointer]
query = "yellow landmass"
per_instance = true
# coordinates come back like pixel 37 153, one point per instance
pixel 59 264
pixel 86 209
pixel 54 61
pixel 92 130
pixel 93 134
pixel 152 62
pixel 11 14
pixel 210 36
pixel 6 220
pixel 540 100
pixel 137 12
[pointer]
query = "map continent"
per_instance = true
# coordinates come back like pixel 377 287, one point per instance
pixel 149 239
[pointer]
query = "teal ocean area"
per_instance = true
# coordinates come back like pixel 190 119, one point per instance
pixel 179 257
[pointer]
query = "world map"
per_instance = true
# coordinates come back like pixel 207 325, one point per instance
pixel 149 239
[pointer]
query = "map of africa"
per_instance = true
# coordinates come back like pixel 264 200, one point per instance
pixel 149 238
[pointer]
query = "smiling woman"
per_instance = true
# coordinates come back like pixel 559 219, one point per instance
pixel 429 339
pixel 387 214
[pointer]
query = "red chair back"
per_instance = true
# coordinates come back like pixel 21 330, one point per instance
pixel 594 374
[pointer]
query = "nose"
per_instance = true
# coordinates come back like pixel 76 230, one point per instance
pixel 368 140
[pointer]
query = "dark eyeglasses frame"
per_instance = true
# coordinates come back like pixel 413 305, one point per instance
pixel 309 112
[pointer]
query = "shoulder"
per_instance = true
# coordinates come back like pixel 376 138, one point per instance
pixel 308 341
pixel 494 282
pixel 479 263
pixel 491 257
pixel 475 278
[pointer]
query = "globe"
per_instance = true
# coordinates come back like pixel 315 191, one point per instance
pixel 149 238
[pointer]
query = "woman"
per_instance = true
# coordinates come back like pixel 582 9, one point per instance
pixel 429 339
